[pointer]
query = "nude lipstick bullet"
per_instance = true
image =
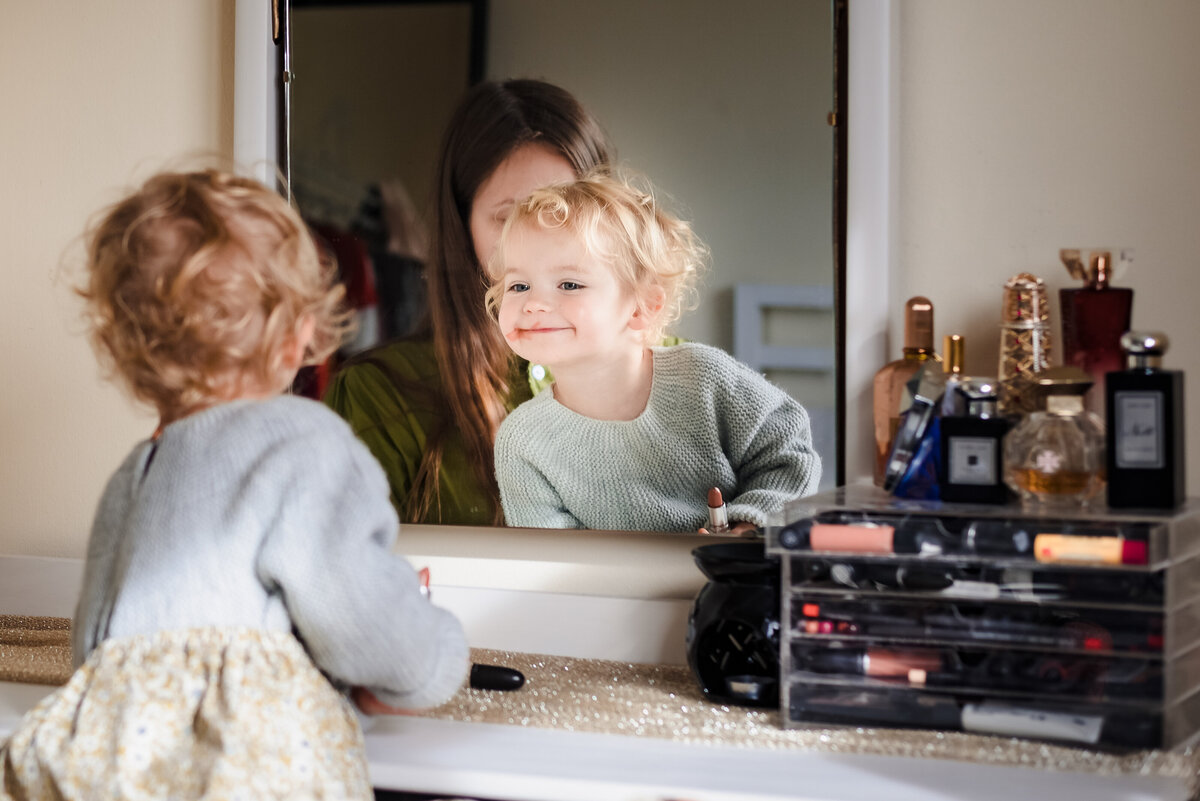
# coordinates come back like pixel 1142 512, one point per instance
pixel 718 520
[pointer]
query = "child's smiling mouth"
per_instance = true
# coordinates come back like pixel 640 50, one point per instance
pixel 522 333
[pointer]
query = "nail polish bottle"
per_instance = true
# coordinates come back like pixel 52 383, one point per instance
pixel 1094 316
pixel 1145 461
pixel 973 447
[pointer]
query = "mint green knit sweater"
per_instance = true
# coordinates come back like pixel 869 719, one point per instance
pixel 711 421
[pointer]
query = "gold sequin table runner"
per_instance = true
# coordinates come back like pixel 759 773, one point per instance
pixel 35 650
pixel 660 701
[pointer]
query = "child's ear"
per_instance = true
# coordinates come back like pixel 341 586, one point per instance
pixel 295 350
pixel 650 306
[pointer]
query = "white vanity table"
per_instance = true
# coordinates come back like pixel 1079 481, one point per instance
pixel 540 592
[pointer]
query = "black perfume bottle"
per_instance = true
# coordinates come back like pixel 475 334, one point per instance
pixel 1144 406
pixel 973 447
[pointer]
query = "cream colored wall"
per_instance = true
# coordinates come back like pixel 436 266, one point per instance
pixel 95 96
pixel 1030 125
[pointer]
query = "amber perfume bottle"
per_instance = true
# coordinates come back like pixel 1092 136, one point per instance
pixel 891 378
pixel 1094 317
pixel 971 469
pixel 1054 457
pixel 1145 427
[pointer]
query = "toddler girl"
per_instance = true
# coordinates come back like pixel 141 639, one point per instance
pixel 585 276
pixel 239 571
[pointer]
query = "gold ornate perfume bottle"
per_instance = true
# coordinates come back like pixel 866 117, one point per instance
pixel 891 378
pixel 1024 342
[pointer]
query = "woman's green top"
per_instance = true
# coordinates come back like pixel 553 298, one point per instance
pixel 395 426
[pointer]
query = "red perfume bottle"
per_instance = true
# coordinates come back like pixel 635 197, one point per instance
pixel 1094 317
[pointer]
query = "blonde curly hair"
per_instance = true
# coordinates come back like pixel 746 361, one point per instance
pixel 198 286
pixel 622 226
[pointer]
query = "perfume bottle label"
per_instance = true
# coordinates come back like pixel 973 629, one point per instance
pixel 972 460
pixel 1139 430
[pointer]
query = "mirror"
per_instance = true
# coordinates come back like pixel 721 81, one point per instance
pixel 724 106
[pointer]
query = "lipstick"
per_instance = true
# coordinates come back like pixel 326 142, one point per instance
pixel 482 677
pixel 495 677
pixel 718 519
pixel 875 662
pixel 1060 548
pixel 920 536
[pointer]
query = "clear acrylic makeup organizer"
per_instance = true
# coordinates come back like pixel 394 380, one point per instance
pixel 966 636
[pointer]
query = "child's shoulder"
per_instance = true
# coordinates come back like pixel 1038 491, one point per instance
pixel 695 358
pixel 295 430
pixel 696 369
pixel 282 418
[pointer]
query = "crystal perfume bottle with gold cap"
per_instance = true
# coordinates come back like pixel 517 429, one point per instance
pixel 1055 456
pixel 891 378
pixel 1095 315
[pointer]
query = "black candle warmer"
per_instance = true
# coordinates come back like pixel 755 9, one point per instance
pixel 733 628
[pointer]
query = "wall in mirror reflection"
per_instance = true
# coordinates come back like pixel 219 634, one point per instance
pixel 722 105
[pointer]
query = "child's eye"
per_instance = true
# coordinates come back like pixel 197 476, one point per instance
pixel 518 286
pixel 570 286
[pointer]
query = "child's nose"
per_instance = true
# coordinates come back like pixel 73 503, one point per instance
pixel 535 302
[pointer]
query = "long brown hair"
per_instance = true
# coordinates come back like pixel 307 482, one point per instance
pixel 492 121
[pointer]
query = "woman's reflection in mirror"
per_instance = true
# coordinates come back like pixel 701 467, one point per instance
pixel 585 278
pixel 428 406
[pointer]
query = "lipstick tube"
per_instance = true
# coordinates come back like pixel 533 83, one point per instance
pixel 1060 548
pixel 718 519
pixel 874 662
pixel 482 677
pixel 913 536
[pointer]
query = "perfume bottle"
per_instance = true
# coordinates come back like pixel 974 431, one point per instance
pixel 891 378
pixel 1054 457
pixel 1094 317
pixel 1145 427
pixel 1024 342
pixel 912 468
pixel 973 447
pixel 953 355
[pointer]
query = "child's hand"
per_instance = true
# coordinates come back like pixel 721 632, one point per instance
pixel 736 530
pixel 366 701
